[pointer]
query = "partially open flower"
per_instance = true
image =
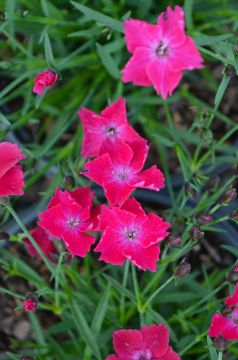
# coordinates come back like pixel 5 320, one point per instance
pixel 44 80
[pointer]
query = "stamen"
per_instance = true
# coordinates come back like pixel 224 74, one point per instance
pixel 72 222
pixel 162 49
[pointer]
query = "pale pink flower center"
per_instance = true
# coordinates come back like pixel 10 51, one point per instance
pixel 73 222
pixel 121 174
pixel 131 233
pixel 111 131
pixel 143 354
pixel 161 50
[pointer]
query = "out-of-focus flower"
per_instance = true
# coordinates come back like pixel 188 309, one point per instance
pixel 43 80
pixel 11 174
pixel 160 53
pixel 196 233
pixel 69 218
pixel 118 171
pixel 30 303
pixel 111 125
pixel 150 342
pixel 45 242
pixel 130 233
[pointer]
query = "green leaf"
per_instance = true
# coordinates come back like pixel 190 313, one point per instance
pixel 4 121
pixel 188 9
pixel 212 351
pixel 221 90
pixel 99 17
pixel 101 311
pixel 184 162
pixel 84 330
pixel 48 51
pixel 108 62
pixel 121 289
pixel 210 40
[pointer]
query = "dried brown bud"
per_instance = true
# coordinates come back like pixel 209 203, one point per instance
pixel 183 269
pixel 228 196
pixel 220 343
pixel 196 233
pixel 212 183
pixel 230 71
pixel 174 241
pixel 68 181
pixel 204 219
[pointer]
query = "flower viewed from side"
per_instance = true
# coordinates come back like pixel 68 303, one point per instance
pixel 118 171
pixel 148 343
pixel 11 174
pixel 160 53
pixel 44 240
pixel 69 217
pixel 130 233
pixel 226 325
pixel 43 80
pixel 111 124
pixel 30 304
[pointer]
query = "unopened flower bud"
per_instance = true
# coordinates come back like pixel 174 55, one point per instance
pixel 228 196
pixel 234 216
pixel 174 241
pixel 212 183
pixel 230 71
pixel 68 181
pixel 196 233
pixel 183 269
pixel 204 219
pixel 4 235
pixel 30 303
pixel 220 343
pixel 189 190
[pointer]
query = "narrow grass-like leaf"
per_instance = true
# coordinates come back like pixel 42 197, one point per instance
pixel 4 121
pixel 221 90
pixel 48 51
pixel 99 17
pixel 108 62
pixel 101 311
pixel 212 351
pixel 188 9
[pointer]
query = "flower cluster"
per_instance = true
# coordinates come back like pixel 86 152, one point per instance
pixel 226 325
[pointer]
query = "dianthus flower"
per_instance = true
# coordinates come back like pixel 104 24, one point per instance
pixel 44 240
pixel 160 52
pixel 148 343
pixel 226 326
pixel 118 171
pixel 130 233
pixel 11 174
pixel 69 217
pixel 111 124
pixel 44 80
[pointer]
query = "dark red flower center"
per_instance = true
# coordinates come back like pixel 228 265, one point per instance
pixel 161 50
pixel 73 222
pixel 111 131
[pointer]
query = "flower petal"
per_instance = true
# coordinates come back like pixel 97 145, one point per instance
pixel 78 243
pixel 127 341
pixel 116 193
pixel 99 169
pixel 151 178
pixel 156 338
pixel 10 154
pixel 144 259
pixel 110 247
pixel 11 183
pixel 135 69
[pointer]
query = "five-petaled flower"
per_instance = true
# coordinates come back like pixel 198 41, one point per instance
pixel 160 52
pixel 226 325
pixel 11 174
pixel 118 171
pixel 130 233
pixel 111 124
pixel 43 80
pixel 44 240
pixel 69 217
pixel 148 343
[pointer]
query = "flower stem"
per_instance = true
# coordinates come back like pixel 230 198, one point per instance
pixel 158 291
pixel 28 235
pixel 124 282
pixel 137 290
pixel 220 355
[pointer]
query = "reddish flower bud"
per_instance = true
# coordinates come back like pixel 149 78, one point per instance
pixel 204 219
pixel 220 343
pixel 44 80
pixel 196 233
pixel 183 269
pixel 228 196
pixel 174 241
pixel 212 183
pixel 30 303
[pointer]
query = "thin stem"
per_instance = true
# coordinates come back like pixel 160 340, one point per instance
pixel 136 289
pixel 220 355
pixel 158 291
pixel 124 283
pixel 29 236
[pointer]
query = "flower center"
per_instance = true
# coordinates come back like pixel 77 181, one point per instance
pixel 122 174
pixel 131 235
pixel 73 222
pixel 111 131
pixel 143 354
pixel 161 50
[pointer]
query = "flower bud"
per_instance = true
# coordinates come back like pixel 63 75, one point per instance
pixel 228 196
pixel 220 343
pixel 68 181
pixel 30 303
pixel 204 219
pixel 233 275
pixel 4 235
pixel 183 269
pixel 174 241
pixel 196 233
pixel 189 190
pixel 230 71
pixel 234 216
pixel 212 183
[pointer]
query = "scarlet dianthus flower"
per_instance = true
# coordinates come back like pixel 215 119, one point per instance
pixel 44 80
pixel 148 343
pixel 44 240
pixel 160 52
pixel 130 233
pixel 69 217
pixel 11 174
pixel 111 124
pixel 118 171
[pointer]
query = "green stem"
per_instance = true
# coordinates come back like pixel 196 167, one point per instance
pixel 137 290
pixel 32 240
pixel 220 355
pixel 124 282
pixel 158 291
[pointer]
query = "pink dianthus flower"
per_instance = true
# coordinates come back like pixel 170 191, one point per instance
pixel 44 240
pixel 44 80
pixel 160 53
